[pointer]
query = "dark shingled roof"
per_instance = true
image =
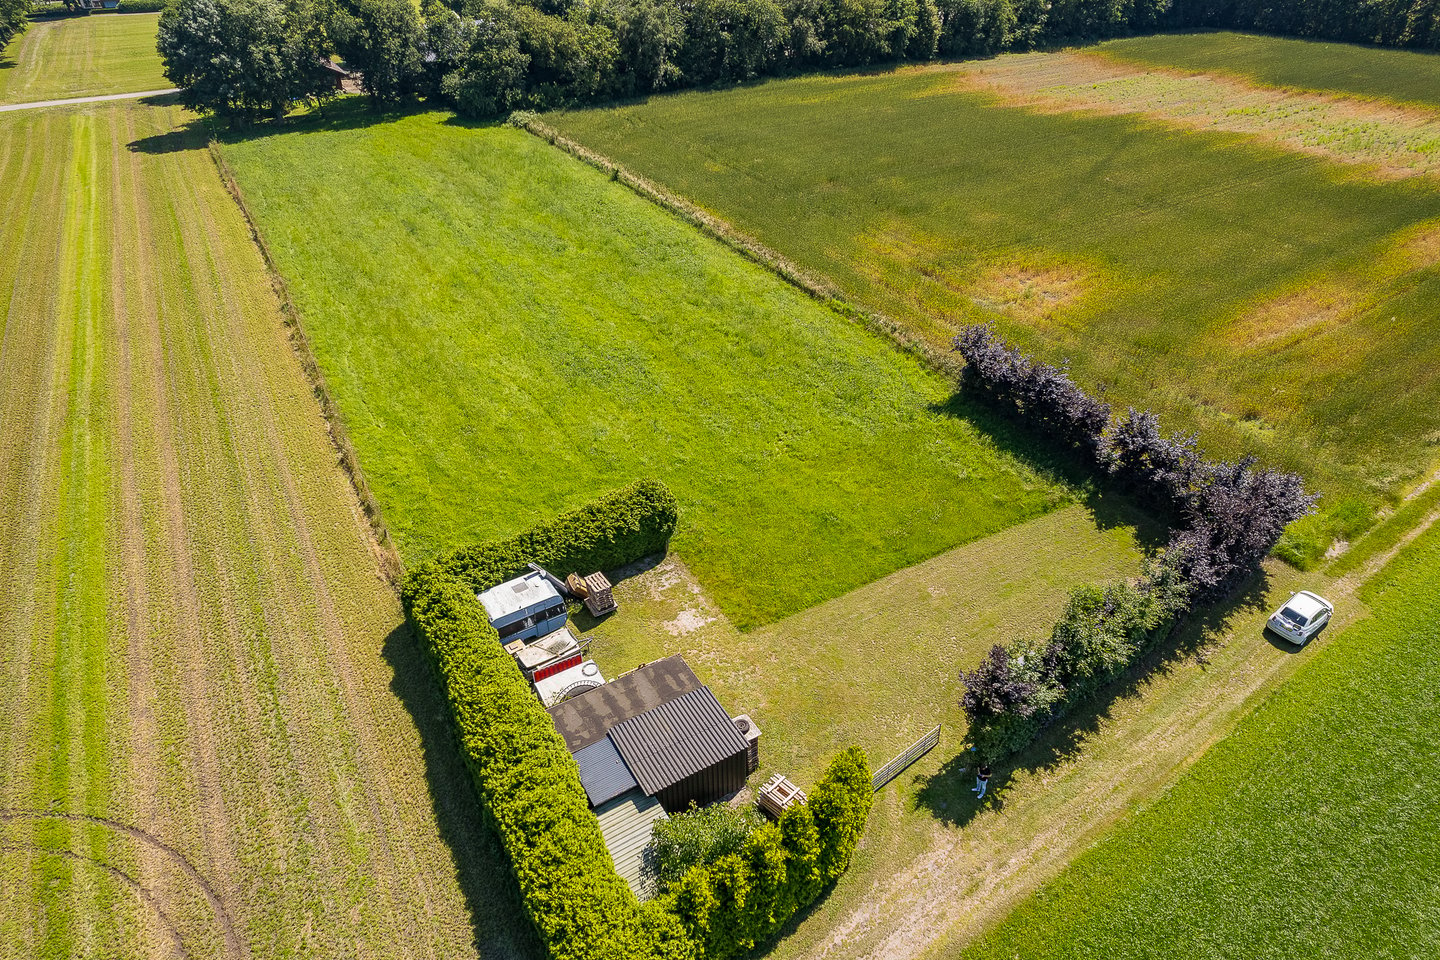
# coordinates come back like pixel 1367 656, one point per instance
pixel 677 739
pixel 587 718
pixel 602 772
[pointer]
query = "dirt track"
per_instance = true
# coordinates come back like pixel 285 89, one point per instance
pixel 211 746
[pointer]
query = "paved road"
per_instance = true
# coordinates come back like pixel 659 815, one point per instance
pixel 65 103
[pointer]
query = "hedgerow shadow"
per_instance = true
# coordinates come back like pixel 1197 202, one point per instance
pixel 1109 507
pixel 945 793
pixel 497 918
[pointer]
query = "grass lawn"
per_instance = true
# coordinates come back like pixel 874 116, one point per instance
pixel 1314 830
pixel 879 666
pixel 508 334
pixel 218 741
pixel 82 57
pixel 1275 302
pixel 1402 76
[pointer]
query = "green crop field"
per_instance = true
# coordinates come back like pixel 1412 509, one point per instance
pixel 508 333
pixel 1313 831
pixel 1278 302
pixel 218 740
pixel 82 57
pixel 1401 76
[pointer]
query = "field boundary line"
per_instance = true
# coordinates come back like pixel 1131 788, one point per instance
pixel 753 250
pixel 384 545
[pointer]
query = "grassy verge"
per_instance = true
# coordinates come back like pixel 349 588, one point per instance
pixel 81 57
pixel 220 740
pixel 1400 76
pixel 1330 852
pixel 508 333
pixel 1274 302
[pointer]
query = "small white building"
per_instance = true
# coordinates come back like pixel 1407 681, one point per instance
pixel 524 608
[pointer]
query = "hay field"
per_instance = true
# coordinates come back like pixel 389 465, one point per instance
pixel 1279 301
pixel 82 57
pixel 508 334
pixel 218 742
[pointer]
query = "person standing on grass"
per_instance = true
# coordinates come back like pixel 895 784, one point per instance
pixel 982 780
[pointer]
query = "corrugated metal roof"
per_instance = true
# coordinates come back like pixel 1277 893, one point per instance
pixel 603 773
pixel 626 823
pixel 589 716
pixel 677 739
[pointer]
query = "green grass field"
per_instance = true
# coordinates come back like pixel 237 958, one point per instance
pixel 1275 302
pixel 82 57
pixel 1313 831
pixel 218 740
pixel 1401 76
pixel 508 333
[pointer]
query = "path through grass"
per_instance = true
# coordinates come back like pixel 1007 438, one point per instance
pixel 82 57
pixel 208 748
pixel 1277 303
pixel 508 334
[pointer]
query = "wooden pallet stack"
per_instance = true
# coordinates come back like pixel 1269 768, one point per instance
pixel 594 591
pixel 777 794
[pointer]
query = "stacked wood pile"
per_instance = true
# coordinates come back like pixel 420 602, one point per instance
pixel 777 794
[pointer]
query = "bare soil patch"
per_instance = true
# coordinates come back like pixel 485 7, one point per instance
pixel 1392 141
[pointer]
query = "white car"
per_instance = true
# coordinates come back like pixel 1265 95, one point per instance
pixel 1302 616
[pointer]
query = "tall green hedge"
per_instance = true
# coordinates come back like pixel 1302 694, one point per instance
pixel 617 529
pixel 530 785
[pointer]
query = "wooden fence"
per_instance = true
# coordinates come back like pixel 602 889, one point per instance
pixel 897 766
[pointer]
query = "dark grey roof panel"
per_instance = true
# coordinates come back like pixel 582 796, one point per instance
pixel 602 772
pixel 587 718
pixel 677 739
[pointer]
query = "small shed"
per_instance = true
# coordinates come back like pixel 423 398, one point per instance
pixel 684 751
pixel 524 608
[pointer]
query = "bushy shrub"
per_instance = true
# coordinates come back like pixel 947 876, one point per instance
pixel 743 898
pixel 143 6
pixel 1043 395
pixel 700 835
pixel 1228 517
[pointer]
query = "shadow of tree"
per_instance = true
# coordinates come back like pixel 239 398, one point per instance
pixel 500 926
pixel 345 113
pixel 945 793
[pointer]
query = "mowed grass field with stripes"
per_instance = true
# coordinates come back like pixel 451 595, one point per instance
pixel 93 56
pixel 218 742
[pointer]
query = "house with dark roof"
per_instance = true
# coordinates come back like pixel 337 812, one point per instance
pixel 652 741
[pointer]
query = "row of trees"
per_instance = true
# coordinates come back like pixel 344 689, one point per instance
pixel 13 14
pixel 1227 517
pixel 255 57
pixel 483 57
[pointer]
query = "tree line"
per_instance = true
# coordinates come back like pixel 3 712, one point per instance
pixel 13 14
pixel 483 57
